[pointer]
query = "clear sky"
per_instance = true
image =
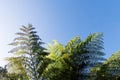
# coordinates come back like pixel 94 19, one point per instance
pixel 61 20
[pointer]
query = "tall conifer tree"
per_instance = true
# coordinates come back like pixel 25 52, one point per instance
pixel 29 51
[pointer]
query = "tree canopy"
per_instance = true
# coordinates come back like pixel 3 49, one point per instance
pixel 76 60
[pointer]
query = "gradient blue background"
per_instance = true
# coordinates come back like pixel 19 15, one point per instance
pixel 60 20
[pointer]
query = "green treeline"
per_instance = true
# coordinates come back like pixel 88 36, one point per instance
pixel 77 60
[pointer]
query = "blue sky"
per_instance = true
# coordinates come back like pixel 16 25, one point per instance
pixel 60 20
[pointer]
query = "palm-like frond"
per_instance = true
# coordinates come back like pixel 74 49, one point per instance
pixel 85 54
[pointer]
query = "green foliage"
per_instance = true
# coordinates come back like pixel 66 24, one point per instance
pixel 110 69
pixel 15 68
pixel 31 61
pixel 28 53
pixel 3 72
pixel 85 54
pixel 73 59
pixel 57 67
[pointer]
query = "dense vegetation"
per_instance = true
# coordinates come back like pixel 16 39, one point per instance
pixel 77 60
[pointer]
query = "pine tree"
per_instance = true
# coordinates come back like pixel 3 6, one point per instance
pixel 29 51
